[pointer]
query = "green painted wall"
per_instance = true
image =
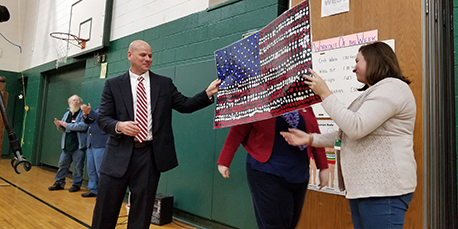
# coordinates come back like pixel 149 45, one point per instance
pixel 183 50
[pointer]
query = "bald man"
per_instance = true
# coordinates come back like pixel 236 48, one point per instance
pixel 140 146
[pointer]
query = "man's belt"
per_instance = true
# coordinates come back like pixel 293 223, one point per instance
pixel 143 144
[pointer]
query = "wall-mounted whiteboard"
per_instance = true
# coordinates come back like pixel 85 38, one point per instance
pixel 336 68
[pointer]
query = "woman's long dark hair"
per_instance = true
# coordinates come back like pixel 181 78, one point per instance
pixel 381 62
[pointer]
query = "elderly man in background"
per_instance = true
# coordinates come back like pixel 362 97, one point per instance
pixel 73 144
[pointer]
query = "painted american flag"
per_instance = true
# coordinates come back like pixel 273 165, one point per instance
pixel 262 74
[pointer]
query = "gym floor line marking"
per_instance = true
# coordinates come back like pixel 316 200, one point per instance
pixel 46 203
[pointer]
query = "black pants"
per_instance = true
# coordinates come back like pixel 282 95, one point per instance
pixel 277 203
pixel 142 178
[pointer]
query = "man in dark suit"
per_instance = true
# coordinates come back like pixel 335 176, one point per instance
pixel 132 157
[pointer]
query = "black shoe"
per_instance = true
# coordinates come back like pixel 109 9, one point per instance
pixel 89 194
pixel 55 186
pixel 74 188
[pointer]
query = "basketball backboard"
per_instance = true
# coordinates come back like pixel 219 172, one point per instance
pixel 90 20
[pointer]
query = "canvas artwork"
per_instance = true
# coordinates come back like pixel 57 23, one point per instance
pixel 262 74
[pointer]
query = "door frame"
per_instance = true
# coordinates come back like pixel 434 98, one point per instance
pixel 439 133
pixel 43 103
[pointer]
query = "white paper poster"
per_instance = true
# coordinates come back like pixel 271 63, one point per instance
pixel 336 68
pixel 326 126
pixel 331 7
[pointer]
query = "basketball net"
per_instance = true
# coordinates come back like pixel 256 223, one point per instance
pixel 63 42
pixel 62 47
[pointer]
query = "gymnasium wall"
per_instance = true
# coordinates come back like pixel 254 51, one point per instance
pixel 32 21
pixel 183 49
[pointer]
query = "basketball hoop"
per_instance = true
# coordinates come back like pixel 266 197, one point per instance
pixel 62 43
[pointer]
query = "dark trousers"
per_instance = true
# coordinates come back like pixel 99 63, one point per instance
pixel 142 178
pixel 277 203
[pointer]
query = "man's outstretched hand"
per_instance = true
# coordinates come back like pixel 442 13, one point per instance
pixel 213 87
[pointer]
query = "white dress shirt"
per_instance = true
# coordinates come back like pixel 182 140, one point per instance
pixel 134 79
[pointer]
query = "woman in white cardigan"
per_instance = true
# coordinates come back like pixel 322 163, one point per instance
pixel 376 136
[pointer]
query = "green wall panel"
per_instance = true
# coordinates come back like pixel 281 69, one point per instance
pixel 192 181
pixel 167 72
pixel 34 98
pixel 236 8
pixel 455 13
pixel 91 92
pixel 151 34
pixel 208 17
pixel 163 182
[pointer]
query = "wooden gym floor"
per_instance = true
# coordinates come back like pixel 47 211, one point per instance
pixel 25 202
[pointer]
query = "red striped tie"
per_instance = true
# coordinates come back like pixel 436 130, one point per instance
pixel 141 117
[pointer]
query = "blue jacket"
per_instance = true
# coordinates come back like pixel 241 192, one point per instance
pixel 96 138
pixel 79 126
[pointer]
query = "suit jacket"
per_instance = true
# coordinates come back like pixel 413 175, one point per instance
pixel 258 139
pixel 96 138
pixel 78 126
pixel 117 105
